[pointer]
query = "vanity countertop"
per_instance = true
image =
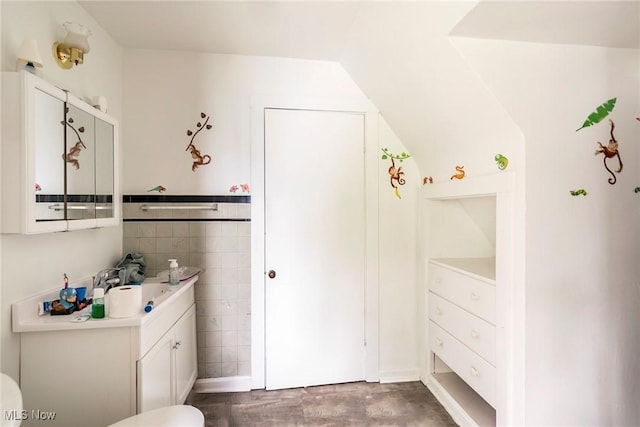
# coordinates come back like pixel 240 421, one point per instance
pixel 25 316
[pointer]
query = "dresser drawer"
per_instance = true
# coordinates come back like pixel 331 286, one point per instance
pixel 475 371
pixel 475 333
pixel 470 293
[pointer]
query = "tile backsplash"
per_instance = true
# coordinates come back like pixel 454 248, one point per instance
pixel 219 242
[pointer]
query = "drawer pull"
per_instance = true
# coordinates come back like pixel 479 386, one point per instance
pixel 438 342
pixel 475 296
pixel 474 333
pixel 438 311
pixel 474 371
pixel 438 280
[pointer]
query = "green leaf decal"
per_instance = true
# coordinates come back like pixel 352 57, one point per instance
pixel 601 112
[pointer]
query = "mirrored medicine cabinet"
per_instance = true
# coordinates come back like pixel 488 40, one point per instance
pixel 59 159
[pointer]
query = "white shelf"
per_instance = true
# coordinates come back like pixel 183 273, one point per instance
pixel 474 406
pixel 481 268
pixel 470 187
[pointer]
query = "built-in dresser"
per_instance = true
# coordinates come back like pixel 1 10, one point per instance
pixel 467 245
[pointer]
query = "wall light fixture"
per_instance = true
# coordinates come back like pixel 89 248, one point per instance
pixel 71 51
pixel 29 56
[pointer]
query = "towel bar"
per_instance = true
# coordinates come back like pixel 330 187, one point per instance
pixel 212 207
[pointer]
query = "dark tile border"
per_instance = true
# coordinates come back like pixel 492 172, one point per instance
pixel 160 198
pixel 186 220
pixel 74 198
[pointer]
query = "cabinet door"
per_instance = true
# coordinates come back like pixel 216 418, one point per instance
pixel 107 193
pixel 80 167
pixel 155 376
pixel 186 363
pixel 44 113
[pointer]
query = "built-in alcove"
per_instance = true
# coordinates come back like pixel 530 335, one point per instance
pixel 466 299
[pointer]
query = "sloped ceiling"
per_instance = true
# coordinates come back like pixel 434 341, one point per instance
pixel 301 29
pixel 399 53
pixel 593 23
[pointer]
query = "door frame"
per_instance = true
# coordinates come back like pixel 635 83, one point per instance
pixel 258 268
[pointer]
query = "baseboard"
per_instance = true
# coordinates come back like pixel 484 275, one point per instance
pixel 399 376
pixel 223 385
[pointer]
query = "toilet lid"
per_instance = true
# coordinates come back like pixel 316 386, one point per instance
pixel 11 401
pixel 170 416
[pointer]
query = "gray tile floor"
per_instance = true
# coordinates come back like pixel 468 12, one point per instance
pixel 352 404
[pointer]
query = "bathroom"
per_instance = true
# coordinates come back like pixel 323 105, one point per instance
pixel 157 95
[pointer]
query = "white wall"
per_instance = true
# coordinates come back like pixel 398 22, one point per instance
pixel 31 264
pixel 398 222
pixel 582 289
pixel 164 95
pixel 165 92
pixel 401 56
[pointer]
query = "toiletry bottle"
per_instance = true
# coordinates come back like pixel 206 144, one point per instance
pixel 97 307
pixel 174 273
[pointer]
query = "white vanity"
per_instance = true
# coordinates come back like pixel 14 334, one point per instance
pixel 99 371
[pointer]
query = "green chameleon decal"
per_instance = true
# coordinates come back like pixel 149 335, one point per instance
pixel 501 161
pixel 579 192
pixel 636 190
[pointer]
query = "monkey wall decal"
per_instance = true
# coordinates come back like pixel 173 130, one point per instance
pixel 198 158
pixel 396 175
pixel 74 152
pixel 609 151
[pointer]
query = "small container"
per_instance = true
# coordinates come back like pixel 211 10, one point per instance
pixel 174 272
pixel 97 308
pixel 149 306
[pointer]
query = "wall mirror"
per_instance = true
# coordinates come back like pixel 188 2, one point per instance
pixel 48 133
pixel 105 168
pixel 60 159
pixel 80 167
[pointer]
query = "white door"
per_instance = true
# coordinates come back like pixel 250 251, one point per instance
pixel 315 246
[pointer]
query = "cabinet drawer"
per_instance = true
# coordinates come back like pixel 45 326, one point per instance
pixel 470 293
pixel 475 333
pixel 474 370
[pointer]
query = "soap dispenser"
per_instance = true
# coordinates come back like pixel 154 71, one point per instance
pixel 174 273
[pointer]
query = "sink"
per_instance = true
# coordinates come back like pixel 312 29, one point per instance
pixel 158 292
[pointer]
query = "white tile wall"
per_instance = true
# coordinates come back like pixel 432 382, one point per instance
pixel 223 293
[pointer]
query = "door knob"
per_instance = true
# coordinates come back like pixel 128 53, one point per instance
pixel 271 274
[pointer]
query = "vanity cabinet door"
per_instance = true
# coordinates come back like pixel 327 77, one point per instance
pixel 186 359
pixel 155 376
pixel 169 369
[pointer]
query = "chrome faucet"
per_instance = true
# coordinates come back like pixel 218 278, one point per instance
pixel 108 278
